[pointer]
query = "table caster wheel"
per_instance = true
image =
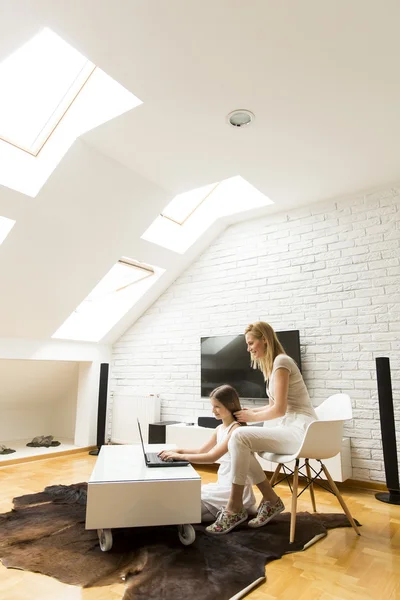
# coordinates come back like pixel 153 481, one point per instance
pixel 186 534
pixel 105 539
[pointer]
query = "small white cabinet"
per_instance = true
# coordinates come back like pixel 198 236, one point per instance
pixel 124 492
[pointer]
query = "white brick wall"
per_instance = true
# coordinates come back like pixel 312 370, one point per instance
pixel 330 270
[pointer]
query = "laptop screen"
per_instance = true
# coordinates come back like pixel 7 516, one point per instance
pixel 141 439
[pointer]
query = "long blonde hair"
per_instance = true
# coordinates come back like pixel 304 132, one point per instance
pixel 263 331
pixel 228 396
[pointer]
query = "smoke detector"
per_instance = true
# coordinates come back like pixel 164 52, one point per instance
pixel 240 117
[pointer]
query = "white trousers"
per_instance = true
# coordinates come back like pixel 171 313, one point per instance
pixel 206 515
pixel 284 437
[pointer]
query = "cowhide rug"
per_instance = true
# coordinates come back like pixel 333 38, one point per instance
pixel 45 533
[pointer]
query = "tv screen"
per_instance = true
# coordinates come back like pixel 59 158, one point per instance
pixel 225 360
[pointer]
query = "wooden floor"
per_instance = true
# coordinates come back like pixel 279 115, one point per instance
pixel 339 567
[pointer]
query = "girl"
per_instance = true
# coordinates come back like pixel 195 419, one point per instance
pixel 214 496
pixel 289 404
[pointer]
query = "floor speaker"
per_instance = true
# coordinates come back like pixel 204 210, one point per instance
pixel 102 408
pixel 388 430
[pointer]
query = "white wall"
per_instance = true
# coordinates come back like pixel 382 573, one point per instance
pixel 70 411
pixel 37 398
pixel 330 270
pixel 63 411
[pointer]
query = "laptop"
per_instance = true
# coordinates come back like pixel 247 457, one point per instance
pixel 153 460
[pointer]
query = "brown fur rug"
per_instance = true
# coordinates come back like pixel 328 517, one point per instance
pixel 45 533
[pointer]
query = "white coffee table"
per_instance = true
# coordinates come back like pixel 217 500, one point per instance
pixel 123 492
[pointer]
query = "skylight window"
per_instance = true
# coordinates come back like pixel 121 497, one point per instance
pixel 39 83
pixel 50 95
pixel 184 205
pixel 5 227
pixel 113 296
pixel 122 275
pixel 189 215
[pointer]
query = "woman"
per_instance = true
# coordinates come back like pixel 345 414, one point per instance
pixel 214 496
pixel 290 403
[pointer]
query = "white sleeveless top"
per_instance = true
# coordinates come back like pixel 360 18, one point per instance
pixel 216 495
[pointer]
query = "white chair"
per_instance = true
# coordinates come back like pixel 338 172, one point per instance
pixel 322 440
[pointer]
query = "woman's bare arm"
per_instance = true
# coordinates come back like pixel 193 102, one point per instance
pixel 272 411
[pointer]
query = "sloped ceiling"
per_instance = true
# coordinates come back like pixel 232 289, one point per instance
pixel 321 77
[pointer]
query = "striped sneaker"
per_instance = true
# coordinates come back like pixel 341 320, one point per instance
pixel 266 512
pixel 226 522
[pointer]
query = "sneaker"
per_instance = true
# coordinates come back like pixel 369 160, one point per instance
pixel 226 522
pixel 266 512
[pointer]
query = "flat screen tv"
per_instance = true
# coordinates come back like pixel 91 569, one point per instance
pixel 224 359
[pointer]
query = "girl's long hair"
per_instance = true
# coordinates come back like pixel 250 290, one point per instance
pixel 228 396
pixel 263 331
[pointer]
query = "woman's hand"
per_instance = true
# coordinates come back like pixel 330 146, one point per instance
pixel 245 416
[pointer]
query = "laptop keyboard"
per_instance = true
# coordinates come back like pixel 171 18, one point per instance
pixel 154 458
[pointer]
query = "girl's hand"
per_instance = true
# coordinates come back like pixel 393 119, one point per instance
pixel 169 454
pixel 244 416
pixel 177 450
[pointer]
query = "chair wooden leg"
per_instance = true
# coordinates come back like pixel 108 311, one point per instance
pixel 294 502
pixel 340 498
pixel 311 487
pixel 275 475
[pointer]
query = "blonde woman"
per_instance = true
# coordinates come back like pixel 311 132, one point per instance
pixel 290 404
